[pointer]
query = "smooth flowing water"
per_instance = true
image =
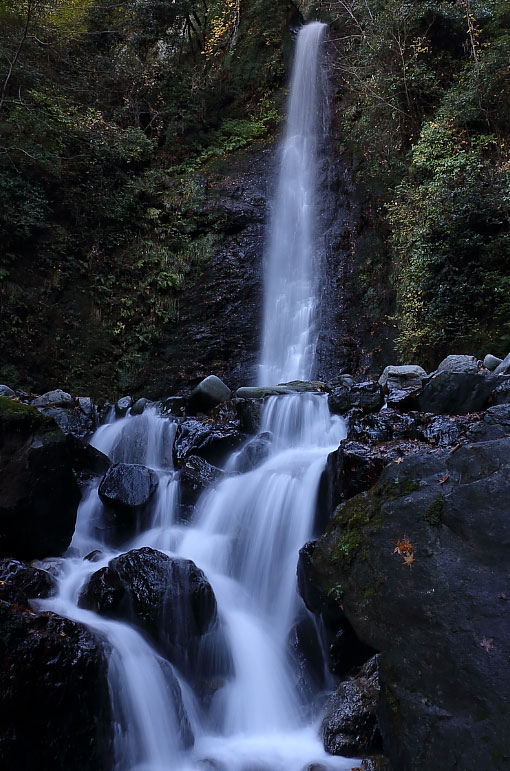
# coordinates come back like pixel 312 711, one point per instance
pixel 245 533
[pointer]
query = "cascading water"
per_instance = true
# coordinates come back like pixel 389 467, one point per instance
pixel 245 533
pixel 292 265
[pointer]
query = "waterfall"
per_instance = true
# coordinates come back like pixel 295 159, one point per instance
pixel 245 533
pixel 292 264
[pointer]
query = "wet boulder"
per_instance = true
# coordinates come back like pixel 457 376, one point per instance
pixel 367 396
pixel 123 405
pixel 196 475
pixel 32 581
pixel 306 652
pixel 501 394
pixel 456 393
pixel 254 452
pixel 54 699
pixel 386 425
pixel 495 424
pixel 446 430
pixel 170 599
pixel 56 398
pixel 211 441
pixel 139 406
pixel 207 394
pixel 128 487
pixel 72 421
pixel 87 461
pixel 349 727
pixel 39 495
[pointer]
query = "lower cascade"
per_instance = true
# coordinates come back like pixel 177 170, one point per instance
pixel 197 612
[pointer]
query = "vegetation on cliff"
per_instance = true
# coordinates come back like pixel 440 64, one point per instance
pixel 423 97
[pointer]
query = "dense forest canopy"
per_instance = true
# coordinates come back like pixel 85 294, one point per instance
pixel 112 110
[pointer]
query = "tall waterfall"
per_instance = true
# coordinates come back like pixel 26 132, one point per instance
pixel 292 265
pixel 245 532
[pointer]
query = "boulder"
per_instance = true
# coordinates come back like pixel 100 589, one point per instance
pixel 87 406
pixel 491 362
pixel 456 393
pixel 420 563
pixel 367 396
pixel 6 391
pixel 305 386
pixel 196 475
pixel 174 405
pixel 54 699
pixel 306 652
pixel 349 727
pixel 254 452
pixel 341 380
pixel 495 424
pixel 128 487
pixel 504 367
pixel 57 398
pixel 383 426
pixel 171 600
pixel 376 763
pixel 211 441
pixel 208 394
pixel 443 431
pixel 87 461
pixel 71 421
pixel 139 406
pixel 404 376
pixel 459 363
pixel 123 405
pixel 33 582
pixel 402 383
pixel 39 495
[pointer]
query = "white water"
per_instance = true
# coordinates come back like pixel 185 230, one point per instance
pixel 292 265
pixel 246 532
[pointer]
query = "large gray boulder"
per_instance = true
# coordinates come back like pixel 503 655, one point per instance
pixel 6 391
pixel 208 394
pixel 56 398
pixel 420 565
pixel 491 362
pixel 459 363
pixel 402 376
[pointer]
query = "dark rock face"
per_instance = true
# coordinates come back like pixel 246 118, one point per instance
pixel 211 441
pixel 195 477
pixel 54 700
pixel 420 564
pixel 128 486
pixel 86 459
pixel 39 495
pixel 367 396
pixel 170 598
pixel 72 421
pixel 349 727
pixel 33 582
pixel 457 393
pixel 249 412
pixel 306 652
pixel 495 424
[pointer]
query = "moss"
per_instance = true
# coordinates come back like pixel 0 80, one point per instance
pixel 20 417
pixel 369 592
pixel 391 700
pixel 435 511
pixel 356 515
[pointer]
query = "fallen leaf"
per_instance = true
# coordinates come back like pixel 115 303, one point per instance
pixel 487 643
pixel 443 478
pixel 409 560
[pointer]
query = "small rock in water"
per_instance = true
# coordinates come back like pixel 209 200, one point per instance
pixel 128 485
pixel 123 405
pixel 491 362
pixel 459 363
pixel 208 394
pixel 57 398
pixel 6 391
